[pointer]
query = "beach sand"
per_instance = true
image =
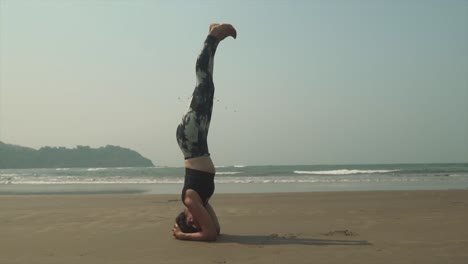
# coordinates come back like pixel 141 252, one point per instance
pixel 332 227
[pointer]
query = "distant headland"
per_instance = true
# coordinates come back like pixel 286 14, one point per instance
pixel 18 157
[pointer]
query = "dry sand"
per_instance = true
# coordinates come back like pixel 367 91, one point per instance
pixel 340 227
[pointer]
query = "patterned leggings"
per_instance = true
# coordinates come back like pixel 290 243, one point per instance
pixel 192 131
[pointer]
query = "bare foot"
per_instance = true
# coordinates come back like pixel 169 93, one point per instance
pixel 222 31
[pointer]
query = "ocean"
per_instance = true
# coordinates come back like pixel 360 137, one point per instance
pixel 237 179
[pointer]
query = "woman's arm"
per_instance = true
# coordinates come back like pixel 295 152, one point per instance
pixel 208 230
pixel 212 213
pixel 199 236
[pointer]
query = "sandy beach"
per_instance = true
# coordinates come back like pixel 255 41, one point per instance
pixel 333 227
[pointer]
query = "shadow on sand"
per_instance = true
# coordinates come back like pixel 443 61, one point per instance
pixel 287 240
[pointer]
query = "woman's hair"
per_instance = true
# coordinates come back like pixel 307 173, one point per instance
pixel 181 221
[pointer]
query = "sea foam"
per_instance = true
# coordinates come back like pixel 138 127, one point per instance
pixel 228 172
pixel 343 172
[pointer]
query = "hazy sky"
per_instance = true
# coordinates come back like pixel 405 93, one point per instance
pixel 306 82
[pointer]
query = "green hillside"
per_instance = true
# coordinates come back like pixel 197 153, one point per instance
pixel 16 157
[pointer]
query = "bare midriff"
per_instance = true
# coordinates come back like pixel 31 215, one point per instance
pixel 203 163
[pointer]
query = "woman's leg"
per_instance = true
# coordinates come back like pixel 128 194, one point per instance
pixel 192 132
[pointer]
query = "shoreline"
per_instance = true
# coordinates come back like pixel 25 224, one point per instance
pixel 312 227
pixel 221 188
pixel 136 192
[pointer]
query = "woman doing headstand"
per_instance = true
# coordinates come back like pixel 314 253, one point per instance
pixel 198 221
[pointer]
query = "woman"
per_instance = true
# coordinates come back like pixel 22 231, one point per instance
pixel 198 221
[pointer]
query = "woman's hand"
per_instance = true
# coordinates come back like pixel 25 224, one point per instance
pixel 176 232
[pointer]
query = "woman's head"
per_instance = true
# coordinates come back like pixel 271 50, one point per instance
pixel 184 225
